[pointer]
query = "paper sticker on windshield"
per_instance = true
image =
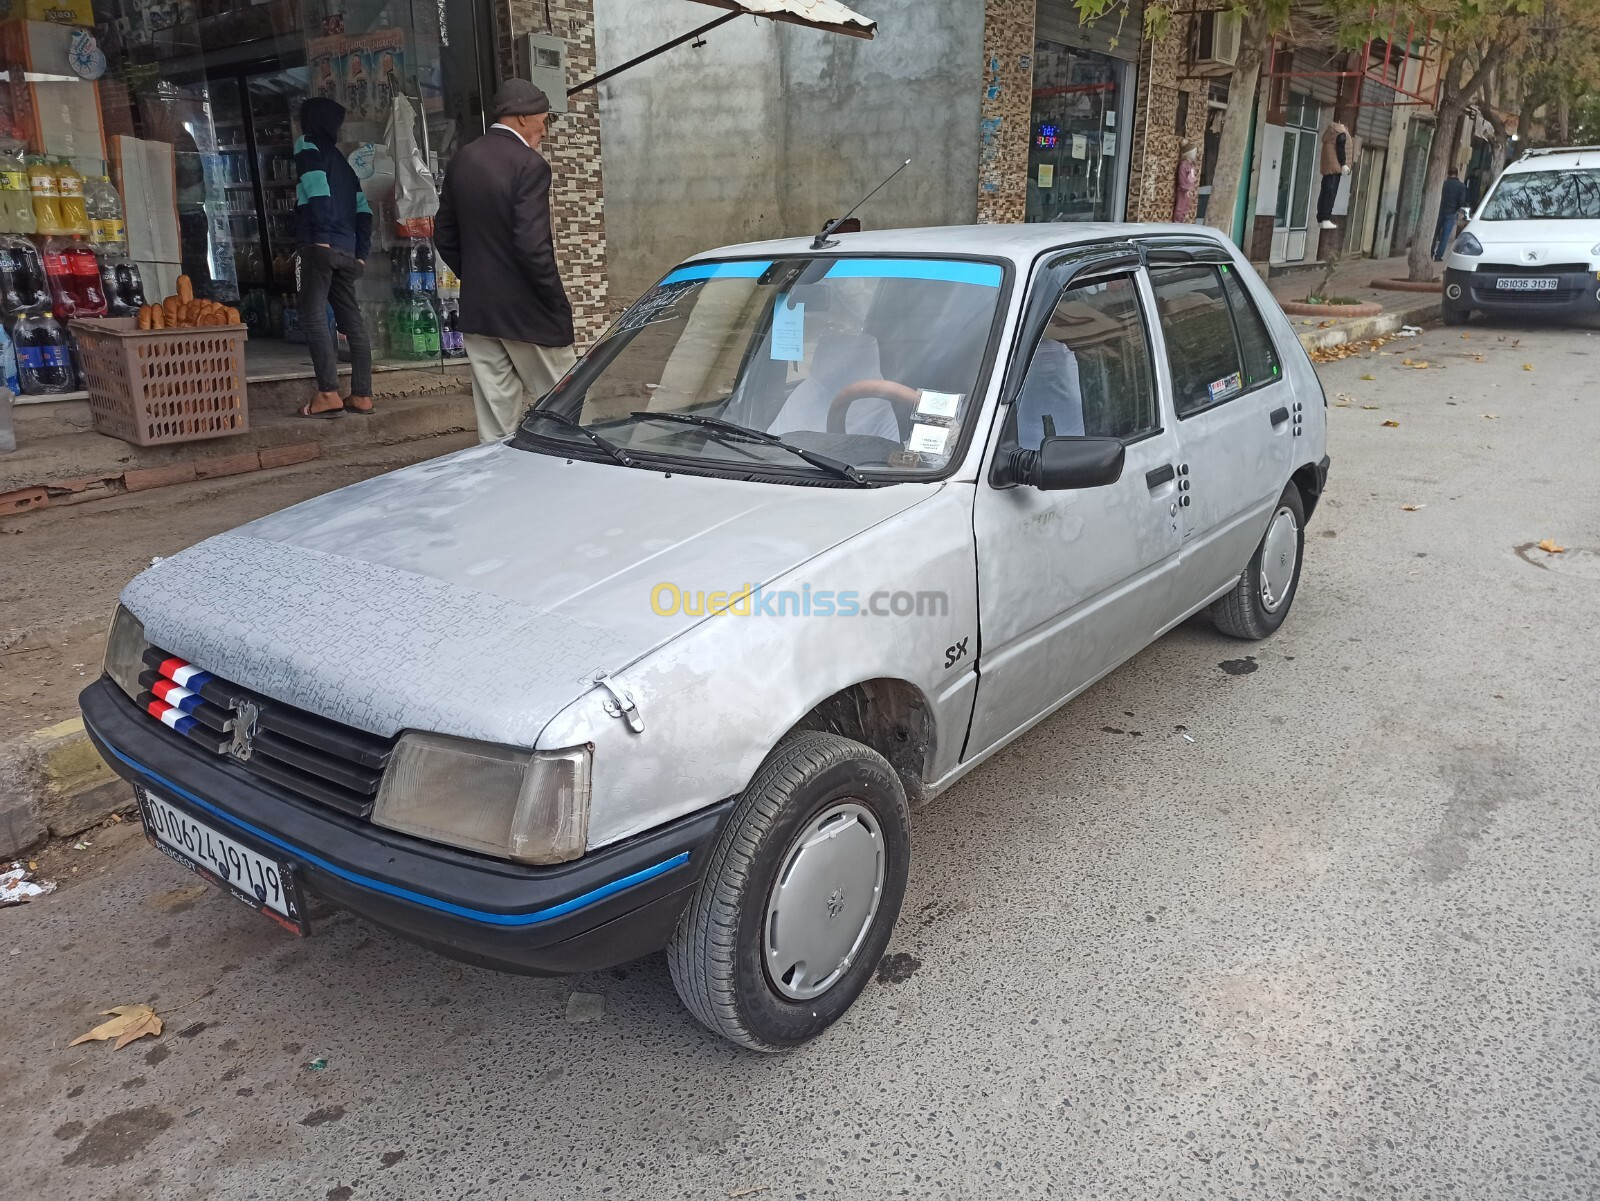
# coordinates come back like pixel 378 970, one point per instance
pixel 928 439
pixel 938 404
pixel 1225 387
pixel 789 330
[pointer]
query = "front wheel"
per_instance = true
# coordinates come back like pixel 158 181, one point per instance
pixel 1260 600
pixel 799 897
pixel 1451 312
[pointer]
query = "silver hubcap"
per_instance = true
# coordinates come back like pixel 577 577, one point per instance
pixel 1279 552
pixel 824 901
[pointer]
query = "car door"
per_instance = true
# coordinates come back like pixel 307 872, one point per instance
pixel 1236 411
pixel 1071 583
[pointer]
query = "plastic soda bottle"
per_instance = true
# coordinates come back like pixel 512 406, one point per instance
pixel 74 213
pixel 16 193
pixel 8 363
pixel 451 342
pixel 44 364
pixel 107 229
pixel 46 191
pixel 22 285
pixel 425 327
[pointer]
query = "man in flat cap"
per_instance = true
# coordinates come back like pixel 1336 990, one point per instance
pixel 493 229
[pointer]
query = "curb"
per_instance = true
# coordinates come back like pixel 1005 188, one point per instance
pixel 1362 329
pixel 1347 312
pixel 54 783
pixel 1436 286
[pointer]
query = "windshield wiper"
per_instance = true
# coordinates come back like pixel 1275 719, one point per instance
pixel 744 433
pixel 604 443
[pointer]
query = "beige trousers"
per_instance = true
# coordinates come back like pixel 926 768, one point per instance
pixel 509 376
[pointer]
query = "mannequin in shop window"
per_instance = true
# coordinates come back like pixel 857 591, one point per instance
pixel 1188 183
pixel 1335 165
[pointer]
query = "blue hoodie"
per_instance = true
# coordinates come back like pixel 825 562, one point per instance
pixel 330 206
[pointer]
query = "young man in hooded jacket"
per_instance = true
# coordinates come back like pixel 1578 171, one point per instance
pixel 334 226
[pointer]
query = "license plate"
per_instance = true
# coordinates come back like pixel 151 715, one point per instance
pixel 1526 283
pixel 260 881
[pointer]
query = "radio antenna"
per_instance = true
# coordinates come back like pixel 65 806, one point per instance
pixel 822 241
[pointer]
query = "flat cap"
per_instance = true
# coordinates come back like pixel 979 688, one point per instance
pixel 519 98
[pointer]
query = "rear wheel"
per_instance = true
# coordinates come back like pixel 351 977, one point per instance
pixel 799 897
pixel 1260 600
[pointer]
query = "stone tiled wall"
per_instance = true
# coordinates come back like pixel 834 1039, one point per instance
pixel 1006 113
pixel 1163 74
pixel 577 194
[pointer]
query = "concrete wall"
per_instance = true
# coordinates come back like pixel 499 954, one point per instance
pixel 768 130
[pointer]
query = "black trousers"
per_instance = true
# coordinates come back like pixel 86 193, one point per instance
pixel 1326 197
pixel 328 276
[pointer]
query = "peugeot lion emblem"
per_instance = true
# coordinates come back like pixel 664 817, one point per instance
pixel 244 729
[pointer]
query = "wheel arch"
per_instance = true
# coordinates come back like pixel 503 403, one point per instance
pixel 892 716
pixel 1309 484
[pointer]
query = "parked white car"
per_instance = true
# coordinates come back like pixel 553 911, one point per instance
pixel 814 529
pixel 1533 247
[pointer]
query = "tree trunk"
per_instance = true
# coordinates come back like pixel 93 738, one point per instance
pixel 1454 96
pixel 1563 122
pixel 1232 171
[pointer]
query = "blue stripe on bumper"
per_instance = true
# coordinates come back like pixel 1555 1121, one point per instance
pixel 477 915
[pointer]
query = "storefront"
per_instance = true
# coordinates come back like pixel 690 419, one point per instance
pixel 1080 138
pixel 187 110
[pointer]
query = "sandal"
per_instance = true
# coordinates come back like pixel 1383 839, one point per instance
pixel 351 407
pixel 321 414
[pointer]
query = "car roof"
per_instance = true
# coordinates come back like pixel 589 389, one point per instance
pixel 1556 159
pixel 1021 243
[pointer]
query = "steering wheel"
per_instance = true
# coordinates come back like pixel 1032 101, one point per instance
pixel 904 399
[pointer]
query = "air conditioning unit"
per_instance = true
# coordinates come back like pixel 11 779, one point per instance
pixel 1216 42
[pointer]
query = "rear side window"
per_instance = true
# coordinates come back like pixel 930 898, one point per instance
pixel 1217 345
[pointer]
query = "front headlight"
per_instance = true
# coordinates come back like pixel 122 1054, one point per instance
pixel 125 647
pixel 530 806
pixel 1468 244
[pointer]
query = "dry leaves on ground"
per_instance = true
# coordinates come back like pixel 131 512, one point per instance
pixel 1393 425
pixel 1527 366
pixel 129 1022
pixel 1369 407
pixel 1411 508
pixel 1491 416
pixel 1551 547
pixel 1369 377
pixel 1419 364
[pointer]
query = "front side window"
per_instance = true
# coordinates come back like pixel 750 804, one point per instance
pixel 1207 368
pixel 1561 195
pixel 1090 374
pixel 872 363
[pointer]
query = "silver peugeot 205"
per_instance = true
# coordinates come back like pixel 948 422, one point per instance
pixel 814 528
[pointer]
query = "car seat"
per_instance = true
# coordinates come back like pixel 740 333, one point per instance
pixel 839 361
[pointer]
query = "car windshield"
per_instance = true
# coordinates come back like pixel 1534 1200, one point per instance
pixel 1570 195
pixel 820 367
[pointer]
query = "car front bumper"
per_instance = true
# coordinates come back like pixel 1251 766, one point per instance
pixel 611 906
pixel 1576 293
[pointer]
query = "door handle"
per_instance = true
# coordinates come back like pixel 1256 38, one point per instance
pixel 1279 416
pixel 1157 476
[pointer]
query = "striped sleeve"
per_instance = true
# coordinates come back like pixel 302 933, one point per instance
pixel 313 201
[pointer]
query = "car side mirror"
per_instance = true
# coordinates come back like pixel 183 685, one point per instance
pixel 1062 464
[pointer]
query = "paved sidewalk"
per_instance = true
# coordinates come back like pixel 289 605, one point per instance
pixel 1353 279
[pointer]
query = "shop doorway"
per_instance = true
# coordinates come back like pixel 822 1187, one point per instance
pixel 1077 160
pixel 1297 177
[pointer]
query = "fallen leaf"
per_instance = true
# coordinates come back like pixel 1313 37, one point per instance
pixel 1369 406
pixel 1341 404
pixel 1527 366
pixel 1492 416
pixel 1466 337
pixel 1515 342
pixel 1550 547
pixel 1369 377
pixel 1407 363
pixel 129 1022
pixel 1325 324
pixel 1411 508
pixel 1393 425
pixel 33 865
pixel 1421 364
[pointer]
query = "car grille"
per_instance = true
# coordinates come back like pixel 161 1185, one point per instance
pixel 1498 269
pixel 321 760
pixel 1572 281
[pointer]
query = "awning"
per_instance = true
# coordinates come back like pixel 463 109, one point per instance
pixel 827 15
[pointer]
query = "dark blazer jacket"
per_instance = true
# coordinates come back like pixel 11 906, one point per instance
pixel 493 229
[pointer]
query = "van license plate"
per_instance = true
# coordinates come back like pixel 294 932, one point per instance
pixel 1526 283
pixel 260 881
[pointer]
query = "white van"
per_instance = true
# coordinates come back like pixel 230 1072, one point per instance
pixel 1533 247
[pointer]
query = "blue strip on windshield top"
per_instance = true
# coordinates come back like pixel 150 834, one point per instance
pixel 694 271
pixel 952 271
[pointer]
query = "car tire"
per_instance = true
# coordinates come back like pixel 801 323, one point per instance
pixel 1260 600
pixel 794 857
pixel 1453 314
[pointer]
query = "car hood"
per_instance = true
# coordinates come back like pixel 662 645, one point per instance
pixel 478 594
pixel 1574 239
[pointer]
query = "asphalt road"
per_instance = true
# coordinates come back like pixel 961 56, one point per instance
pixel 1341 944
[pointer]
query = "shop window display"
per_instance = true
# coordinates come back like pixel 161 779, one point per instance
pixel 142 140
